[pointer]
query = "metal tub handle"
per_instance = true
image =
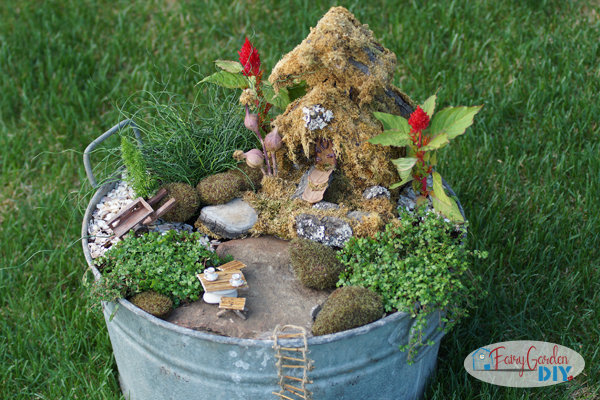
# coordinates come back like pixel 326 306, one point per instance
pixel 86 154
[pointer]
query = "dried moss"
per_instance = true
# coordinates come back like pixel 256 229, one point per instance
pixel 347 308
pixel 351 74
pixel 368 226
pixel 199 225
pixel 315 264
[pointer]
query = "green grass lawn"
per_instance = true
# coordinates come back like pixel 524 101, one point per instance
pixel 527 172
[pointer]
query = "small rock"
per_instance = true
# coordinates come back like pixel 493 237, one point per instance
pixel 230 220
pixel 408 197
pixel 376 191
pixel 358 215
pixel 325 205
pixel 330 231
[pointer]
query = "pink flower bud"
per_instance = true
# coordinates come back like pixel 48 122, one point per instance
pixel 254 158
pixel 251 121
pixel 273 140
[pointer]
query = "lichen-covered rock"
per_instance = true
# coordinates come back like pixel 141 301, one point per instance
pixel 349 74
pixel 330 231
pixel 315 264
pixel 221 188
pixel 347 308
pixel 187 203
pixel 376 191
pixel 153 303
pixel 357 215
pixel 325 205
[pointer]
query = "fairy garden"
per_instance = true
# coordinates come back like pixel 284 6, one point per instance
pixel 310 193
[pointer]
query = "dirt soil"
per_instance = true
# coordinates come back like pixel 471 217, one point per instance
pixel 275 296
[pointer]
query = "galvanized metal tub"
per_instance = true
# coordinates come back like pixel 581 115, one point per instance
pixel 160 360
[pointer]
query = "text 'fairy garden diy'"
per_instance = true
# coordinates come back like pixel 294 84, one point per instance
pixel 307 196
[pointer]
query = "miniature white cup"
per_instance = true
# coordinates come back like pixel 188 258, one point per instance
pixel 210 274
pixel 236 280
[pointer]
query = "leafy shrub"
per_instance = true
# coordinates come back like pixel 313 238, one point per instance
pixel 315 264
pixel 347 308
pixel 165 264
pixel 419 260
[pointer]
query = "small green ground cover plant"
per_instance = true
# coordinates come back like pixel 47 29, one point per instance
pixel 418 265
pixel 166 264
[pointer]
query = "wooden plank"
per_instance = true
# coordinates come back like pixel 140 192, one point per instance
pixel 296 379
pixel 232 265
pixel 165 208
pixel 282 396
pixel 233 303
pixel 287 335
pixel 291 358
pixel 222 283
pixel 293 349
pixel 161 193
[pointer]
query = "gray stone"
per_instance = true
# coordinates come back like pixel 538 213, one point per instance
pixel 230 220
pixel 408 198
pixel 376 191
pixel 330 231
pixel 304 183
pixel 358 215
pixel 325 205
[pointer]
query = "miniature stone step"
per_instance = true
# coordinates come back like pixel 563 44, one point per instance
pixel 231 220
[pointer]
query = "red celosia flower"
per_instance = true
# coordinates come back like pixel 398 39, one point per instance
pixel 250 59
pixel 418 120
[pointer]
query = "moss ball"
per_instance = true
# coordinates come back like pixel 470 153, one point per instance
pixel 220 188
pixel 153 303
pixel 347 308
pixel 315 264
pixel 187 203
pixel 252 176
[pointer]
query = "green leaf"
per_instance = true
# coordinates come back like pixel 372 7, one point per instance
pixel 279 100
pixel 451 211
pixel 230 66
pixel 297 91
pixel 391 137
pixel 437 142
pixel 453 120
pixel 404 164
pixel 433 159
pixel 429 105
pixel 438 188
pixel 227 80
pixel 404 181
pixel 394 122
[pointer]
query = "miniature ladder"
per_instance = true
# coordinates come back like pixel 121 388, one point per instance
pixel 286 362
